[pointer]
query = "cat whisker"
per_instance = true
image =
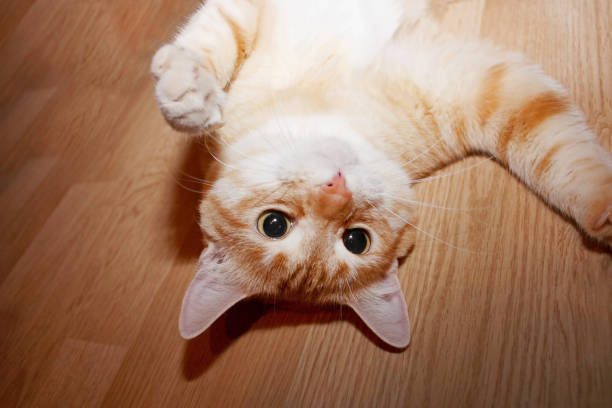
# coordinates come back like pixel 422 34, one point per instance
pixel 261 135
pixel 270 184
pixel 352 295
pixel 232 148
pixel 425 232
pixel 425 152
pixel 193 179
pixel 430 205
pixel 222 162
pixel 488 159
pixel 185 187
pixel 197 179
pixel 255 132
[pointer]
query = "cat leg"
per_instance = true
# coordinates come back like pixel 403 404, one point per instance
pixel 526 120
pixel 193 71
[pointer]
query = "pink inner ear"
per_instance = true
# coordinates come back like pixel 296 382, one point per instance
pixel 383 308
pixel 209 295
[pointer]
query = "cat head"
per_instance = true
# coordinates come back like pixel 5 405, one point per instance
pixel 318 219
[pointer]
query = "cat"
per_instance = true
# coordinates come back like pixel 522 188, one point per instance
pixel 322 115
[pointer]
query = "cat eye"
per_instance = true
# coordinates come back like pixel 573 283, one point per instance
pixel 273 224
pixel 356 240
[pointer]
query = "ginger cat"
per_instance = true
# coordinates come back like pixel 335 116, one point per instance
pixel 325 113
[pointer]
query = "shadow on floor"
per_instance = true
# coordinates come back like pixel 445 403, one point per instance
pixel 201 352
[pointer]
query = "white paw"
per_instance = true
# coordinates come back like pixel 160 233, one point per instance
pixel 187 94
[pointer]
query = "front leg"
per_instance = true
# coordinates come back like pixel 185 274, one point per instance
pixel 193 71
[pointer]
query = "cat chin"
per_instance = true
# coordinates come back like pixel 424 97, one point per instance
pixel 313 148
pixel 315 130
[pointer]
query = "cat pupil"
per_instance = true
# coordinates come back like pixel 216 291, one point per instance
pixel 274 224
pixel 356 240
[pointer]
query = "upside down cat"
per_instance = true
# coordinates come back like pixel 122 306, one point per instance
pixel 325 114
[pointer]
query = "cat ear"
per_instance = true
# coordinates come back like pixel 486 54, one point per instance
pixel 209 295
pixel 382 307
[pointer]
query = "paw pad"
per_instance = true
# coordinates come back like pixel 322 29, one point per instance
pixel 189 96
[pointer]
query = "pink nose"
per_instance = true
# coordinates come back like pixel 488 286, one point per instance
pixel 334 195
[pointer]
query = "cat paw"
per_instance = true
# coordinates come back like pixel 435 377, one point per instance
pixel 599 219
pixel 188 95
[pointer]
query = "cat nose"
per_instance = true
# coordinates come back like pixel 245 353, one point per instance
pixel 337 186
pixel 334 195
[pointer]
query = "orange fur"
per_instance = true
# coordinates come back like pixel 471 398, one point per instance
pixel 529 116
pixel 240 43
pixel 545 162
pixel 489 100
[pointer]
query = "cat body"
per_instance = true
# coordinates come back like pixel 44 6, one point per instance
pixel 324 116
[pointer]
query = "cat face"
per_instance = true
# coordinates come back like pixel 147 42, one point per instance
pixel 317 219
pixel 324 197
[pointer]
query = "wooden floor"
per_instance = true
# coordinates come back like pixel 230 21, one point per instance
pixel 510 305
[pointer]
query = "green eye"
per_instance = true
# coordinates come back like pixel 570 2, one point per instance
pixel 273 224
pixel 356 240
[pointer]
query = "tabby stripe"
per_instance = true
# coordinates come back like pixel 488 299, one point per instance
pixel 279 262
pixel 240 41
pixel 399 94
pixel 229 218
pixel 211 64
pixel 460 132
pixel 585 164
pixel 429 115
pixel 528 117
pixel 488 101
pixel 545 163
pixel 298 278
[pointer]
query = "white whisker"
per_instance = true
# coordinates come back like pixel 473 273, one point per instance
pixel 229 166
pixel 424 152
pixel 185 187
pixel 429 205
pixel 425 232
pixel 452 173
pixel 232 148
pixel 197 180
pixel 346 280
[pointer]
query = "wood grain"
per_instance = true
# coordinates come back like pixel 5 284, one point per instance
pixel 510 305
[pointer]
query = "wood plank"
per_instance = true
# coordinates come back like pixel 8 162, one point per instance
pixel 81 374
